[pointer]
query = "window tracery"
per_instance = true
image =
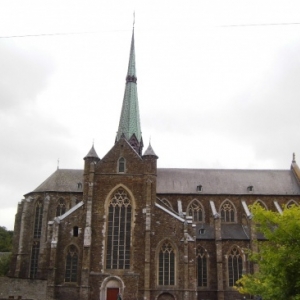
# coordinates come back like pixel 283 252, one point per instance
pixel 235 266
pixel 119 231
pixel 227 212
pixel 166 264
pixel 195 210
pixel 201 266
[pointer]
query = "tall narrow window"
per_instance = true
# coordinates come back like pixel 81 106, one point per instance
pixel 61 207
pixel 34 259
pixel 166 268
pixel 196 211
pixel 201 266
pixel 235 266
pixel 119 231
pixel 71 264
pixel 121 165
pixel 38 219
pixel 227 212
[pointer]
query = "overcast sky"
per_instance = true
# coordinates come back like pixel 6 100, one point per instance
pixel 218 84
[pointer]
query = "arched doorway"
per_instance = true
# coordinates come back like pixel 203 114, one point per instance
pixel 111 287
pixel 166 296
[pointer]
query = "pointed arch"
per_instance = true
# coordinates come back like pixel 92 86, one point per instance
pixel 121 165
pixel 71 264
pixel 291 203
pixel 166 263
pixel 261 203
pixel 228 212
pixel 167 203
pixel 38 217
pixel 61 207
pixel 202 266
pixel 120 218
pixel 195 209
pixel 235 264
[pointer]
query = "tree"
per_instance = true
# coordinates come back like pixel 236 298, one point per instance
pixel 5 239
pixel 5 248
pixel 278 258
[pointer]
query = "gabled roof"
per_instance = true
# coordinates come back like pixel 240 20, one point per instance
pixel 236 182
pixel 185 181
pixel 62 180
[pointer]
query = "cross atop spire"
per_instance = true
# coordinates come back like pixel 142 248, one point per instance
pixel 129 126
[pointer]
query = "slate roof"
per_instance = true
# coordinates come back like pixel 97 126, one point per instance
pixel 185 181
pixel 231 182
pixel 228 232
pixel 62 180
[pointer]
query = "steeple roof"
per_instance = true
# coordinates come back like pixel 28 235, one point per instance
pixel 92 153
pixel 129 125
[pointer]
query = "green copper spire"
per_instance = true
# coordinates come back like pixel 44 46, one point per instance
pixel 129 126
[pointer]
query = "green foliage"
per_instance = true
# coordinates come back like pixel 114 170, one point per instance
pixel 4 263
pixel 5 239
pixel 278 258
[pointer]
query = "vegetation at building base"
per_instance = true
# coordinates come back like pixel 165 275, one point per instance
pixel 278 258
pixel 5 249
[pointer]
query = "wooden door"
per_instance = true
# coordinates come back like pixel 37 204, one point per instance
pixel 112 293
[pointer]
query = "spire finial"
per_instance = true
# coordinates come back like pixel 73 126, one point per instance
pixel 93 142
pixel 57 163
pixel 294 157
pixel 133 18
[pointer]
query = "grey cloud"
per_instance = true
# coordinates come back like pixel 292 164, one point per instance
pixel 23 74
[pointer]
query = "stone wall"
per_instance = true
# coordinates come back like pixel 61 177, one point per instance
pixel 25 288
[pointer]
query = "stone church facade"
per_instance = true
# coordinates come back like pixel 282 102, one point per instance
pixel 124 227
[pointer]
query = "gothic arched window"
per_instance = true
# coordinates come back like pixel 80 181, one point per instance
pixel 235 266
pixel 35 250
pixel 195 210
pixel 121 165
pixel 166 264
pixel 227 212
pixel 201 266
pixel 119 231
pixel 38 219
pixel 291 203
pixel 71 264
pixel 61 207
pixel 261 203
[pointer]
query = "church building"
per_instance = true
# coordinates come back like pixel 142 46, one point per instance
pixel 122 228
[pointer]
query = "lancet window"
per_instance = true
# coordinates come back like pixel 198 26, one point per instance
pixel 235 265
pixel 121 165
pixel 34 259
pixel 71 264
pixel 119 231
pixel 195 210
pixel 38 219
pixel 202 266
pixel 61 207
pixel 166 268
